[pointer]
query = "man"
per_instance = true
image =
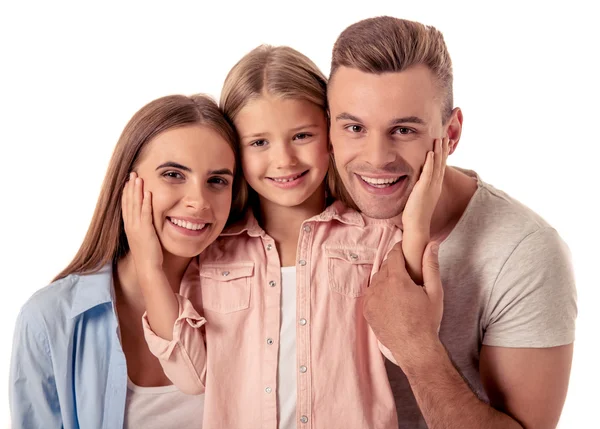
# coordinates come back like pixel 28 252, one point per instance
pixel 503 354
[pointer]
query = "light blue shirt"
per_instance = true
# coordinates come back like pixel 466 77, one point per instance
pixel 68 369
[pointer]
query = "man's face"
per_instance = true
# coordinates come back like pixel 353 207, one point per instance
pixel 382 126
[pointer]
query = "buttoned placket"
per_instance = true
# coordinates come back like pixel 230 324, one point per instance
pixel 303 277
pixel 272 302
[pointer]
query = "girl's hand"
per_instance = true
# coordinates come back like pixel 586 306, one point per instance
pixel 139 228
pixel 426 193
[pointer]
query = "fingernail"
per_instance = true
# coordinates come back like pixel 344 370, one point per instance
pixel 435 248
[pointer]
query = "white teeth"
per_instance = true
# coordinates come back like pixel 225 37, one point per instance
pixel 187 225
pixel 380 182
pixel 287 180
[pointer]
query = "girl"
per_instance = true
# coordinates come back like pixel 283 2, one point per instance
pixel 283 342
pixel 79 355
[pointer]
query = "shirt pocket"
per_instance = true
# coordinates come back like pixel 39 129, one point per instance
pixel 226 288
pixel 349 269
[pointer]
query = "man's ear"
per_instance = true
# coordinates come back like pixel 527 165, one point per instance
pixel 454 128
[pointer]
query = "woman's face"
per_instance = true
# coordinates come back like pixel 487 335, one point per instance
pixel 189 172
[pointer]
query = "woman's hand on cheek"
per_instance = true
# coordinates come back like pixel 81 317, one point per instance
pixel 139 228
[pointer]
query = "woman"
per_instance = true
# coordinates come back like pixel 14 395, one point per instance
pixel 79 354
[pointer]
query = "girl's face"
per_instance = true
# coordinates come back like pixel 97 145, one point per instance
pixel 189 171
pixel 284 149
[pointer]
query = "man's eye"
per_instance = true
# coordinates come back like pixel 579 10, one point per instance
pixel 403 130
pixel 355 128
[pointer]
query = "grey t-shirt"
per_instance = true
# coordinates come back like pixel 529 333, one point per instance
pixel 508 282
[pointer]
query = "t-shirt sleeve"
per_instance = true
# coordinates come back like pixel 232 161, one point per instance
pixel 533 300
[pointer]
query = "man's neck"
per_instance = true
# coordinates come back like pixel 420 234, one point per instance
pixel 457 191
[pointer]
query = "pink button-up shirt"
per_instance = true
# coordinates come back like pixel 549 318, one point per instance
pixel 225 340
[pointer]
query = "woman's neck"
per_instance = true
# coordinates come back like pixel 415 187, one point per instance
pixel 283 223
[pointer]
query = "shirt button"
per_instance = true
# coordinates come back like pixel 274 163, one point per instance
pixel 353 256
pixel 269 341
pixel 306 228
pixel 268 390
pixel 272 283
pixel 302 369
pixel 225 273
pixel 304 419
pixel 302 262
pixel 269 246
pixel 303 322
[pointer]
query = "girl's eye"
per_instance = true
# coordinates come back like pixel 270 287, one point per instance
pixel 173 175
pixel 258 143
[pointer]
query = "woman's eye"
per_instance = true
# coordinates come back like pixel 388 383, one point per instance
pixel 218 181
pixel 173 175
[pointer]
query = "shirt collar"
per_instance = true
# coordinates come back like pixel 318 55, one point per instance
pixel 336 211
pixel 92 290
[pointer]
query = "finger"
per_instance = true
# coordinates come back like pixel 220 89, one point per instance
pixel 137 196
pixel 126 199
pixel 396 264
pixel 431 275
pixel 445 153
pixel 394 256
pixel 447 148
pixel 441 168
pixel 146 216
pixel 428 169
pixel 439 159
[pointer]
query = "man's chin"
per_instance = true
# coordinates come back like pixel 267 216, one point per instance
pixel 380 210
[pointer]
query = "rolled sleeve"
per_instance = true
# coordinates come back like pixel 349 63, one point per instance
pixel 183 358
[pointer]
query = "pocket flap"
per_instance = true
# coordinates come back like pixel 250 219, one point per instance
pixel 227 272
pixel 352 255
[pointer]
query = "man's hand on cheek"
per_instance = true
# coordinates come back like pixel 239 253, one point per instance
pixel 405 316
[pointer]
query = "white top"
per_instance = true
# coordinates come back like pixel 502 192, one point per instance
pixel 288 367
pixel 162 407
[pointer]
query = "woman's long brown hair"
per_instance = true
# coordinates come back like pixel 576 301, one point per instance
pixel 105 241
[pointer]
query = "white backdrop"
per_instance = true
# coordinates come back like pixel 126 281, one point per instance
pixel 71 76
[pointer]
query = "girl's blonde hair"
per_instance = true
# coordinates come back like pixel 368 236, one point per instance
pixel 282 72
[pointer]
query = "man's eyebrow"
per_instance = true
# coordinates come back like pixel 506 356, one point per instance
pixel 345 116
pixel 174 165
pixel 407 120
pixel 222 171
